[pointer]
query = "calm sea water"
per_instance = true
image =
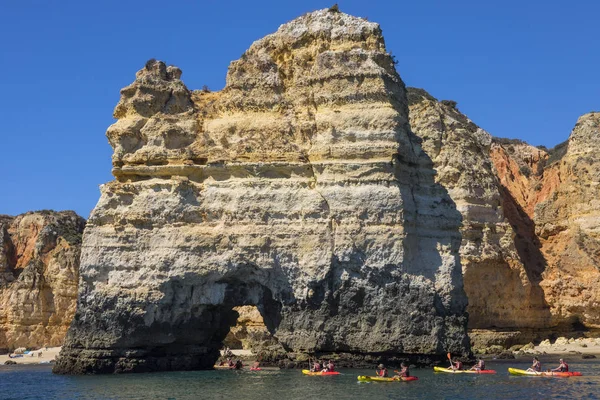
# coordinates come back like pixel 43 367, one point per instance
pixel 38 382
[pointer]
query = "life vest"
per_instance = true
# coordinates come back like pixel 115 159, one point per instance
pixel 382 372
pixel 537 366
pixel 564 367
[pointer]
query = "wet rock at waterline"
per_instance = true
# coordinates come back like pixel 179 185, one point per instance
pixel 298 189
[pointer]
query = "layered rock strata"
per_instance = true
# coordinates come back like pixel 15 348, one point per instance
pixel 39 262
pixel 298 189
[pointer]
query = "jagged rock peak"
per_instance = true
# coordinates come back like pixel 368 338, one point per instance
pixel 329 25
pixel 585 136
pixel 157 88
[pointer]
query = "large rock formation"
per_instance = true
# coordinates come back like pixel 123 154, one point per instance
pixel 39 261
pixel 298 188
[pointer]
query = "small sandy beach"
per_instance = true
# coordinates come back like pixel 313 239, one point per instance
pixel 33 358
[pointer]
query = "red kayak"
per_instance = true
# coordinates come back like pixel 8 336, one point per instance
pixel 256 369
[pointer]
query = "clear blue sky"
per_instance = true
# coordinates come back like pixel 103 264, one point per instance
pixel 520 69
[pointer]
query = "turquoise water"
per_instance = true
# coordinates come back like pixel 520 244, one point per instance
pixel 38 382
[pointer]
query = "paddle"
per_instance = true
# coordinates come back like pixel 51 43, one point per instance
pixel 450 359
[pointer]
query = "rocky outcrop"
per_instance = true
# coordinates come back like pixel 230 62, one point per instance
pixel 298 189
pixel 501 282
pixel 39 261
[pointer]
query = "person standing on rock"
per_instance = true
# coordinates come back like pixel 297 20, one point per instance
pixel 563 367
pixel 381 371
pixel 536 366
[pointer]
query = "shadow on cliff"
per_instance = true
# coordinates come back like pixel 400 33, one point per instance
pixel 529 250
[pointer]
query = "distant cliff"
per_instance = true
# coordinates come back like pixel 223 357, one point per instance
pixel 299 189
pixel 530 249
pixel 39 273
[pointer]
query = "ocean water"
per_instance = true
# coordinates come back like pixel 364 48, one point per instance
pixel 38 382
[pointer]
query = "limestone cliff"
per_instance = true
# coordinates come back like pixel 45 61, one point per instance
pixel 530 250
pixel 557 191
pixel 298 188
pixel 501 282
pixel 39 261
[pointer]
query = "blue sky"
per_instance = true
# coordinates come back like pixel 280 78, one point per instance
pixel 519 69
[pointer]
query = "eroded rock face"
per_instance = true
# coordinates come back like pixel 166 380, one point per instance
pixel 503 288
pixel 299 189
pixel 530 220
pixel 39 261
pixel 558 191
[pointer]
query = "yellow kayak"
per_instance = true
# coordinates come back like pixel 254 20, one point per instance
pixel 463 371
pixel 522 372
pixel 364 378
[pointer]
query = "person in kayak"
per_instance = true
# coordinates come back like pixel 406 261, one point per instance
pixel 563 367
pixel 403 373
pixel 536 366
pixel 456 365
pixel 316 366
pixel 256 365
pixel 238 364
pixel 480 366
pixel 381 371
pixel 330 366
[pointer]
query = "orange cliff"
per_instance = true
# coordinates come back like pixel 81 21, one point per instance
pixel 530 249
pixel 39 273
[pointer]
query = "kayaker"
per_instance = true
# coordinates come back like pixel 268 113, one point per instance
pixel 256 365
pixel 536 366
pixel 563 367
pixel 456 365
pixel 330 366
pixel 381 371
pixel 480 366
pixel 404 372
pixel 238 364
pixel 316 366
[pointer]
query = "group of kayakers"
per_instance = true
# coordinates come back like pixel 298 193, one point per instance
pixel 537 366
pixel 319 366
pixel 457 365
pixel 404 372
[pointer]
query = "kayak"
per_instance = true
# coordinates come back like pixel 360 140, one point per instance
pixel 463 371
pixel 364 378
pixel 522 372
pixel 256 369
pixel 320 373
